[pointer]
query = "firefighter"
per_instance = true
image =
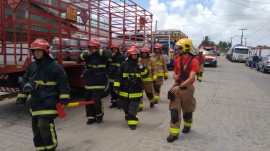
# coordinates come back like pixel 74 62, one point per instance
pixel 115 63
pixel 200 58
pixel 47 83
pixel 128 84
pixel 95 71
pixel 182 93
pixel 162 71
pixel 150 64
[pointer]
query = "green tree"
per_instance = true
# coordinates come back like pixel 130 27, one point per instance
pixel 224 46
pixel 207 41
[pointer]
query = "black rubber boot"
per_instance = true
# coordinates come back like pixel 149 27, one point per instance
pixel 172 138
pixel 132 127
pixel 152 104
pixel 99 119
pixel 186 129
pixel 156 102
pixel 140 109
pixel 90 121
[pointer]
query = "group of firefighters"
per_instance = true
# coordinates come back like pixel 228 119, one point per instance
pixel 128 75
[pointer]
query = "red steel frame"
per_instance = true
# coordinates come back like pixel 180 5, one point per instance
pixel 121 21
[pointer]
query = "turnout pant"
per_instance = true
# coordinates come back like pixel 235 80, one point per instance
pixel 45 138
pixel 114 96
pixel 149 91
pixel 96 109
pixel 186 103
pixel 157 87
pixel 130 108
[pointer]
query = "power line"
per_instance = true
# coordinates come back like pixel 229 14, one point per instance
pixel 256 2
pixel 267 34
pixel 259 28
pixel 245 5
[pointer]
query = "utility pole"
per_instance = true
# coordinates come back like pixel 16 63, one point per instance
pixel 245 42
pixel 242 34
pixel 231 41
pixel 156 27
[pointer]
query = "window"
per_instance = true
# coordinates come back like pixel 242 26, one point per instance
pixel 209 52
pixel 241 50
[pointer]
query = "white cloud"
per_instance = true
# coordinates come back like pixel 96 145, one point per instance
pixel 177 3
pixel 221 20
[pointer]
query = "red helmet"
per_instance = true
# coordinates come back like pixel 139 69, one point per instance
pixel 114 45
pixel 145 49
pixel 94 43
pixel 158 45
pixel 40 44
pixel 132 51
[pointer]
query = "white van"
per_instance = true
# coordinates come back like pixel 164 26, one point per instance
pixel 239 54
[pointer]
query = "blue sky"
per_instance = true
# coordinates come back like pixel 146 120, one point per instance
pixel 219 19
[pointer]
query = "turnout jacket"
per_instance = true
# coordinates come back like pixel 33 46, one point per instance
pixel 52 87
pixel 96 68
pixel 128 80
pixel 114 64
pixel 151 66
pixel 161 62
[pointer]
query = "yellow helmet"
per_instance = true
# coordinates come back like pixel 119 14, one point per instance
pixel 201 51
pixel 186 44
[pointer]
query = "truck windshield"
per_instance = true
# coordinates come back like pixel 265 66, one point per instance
pixel 241 51
pixel 209 52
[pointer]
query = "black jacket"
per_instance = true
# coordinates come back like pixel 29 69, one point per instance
pixel 115 63
pixel 52 87
pixel 129 80
pixel 96 68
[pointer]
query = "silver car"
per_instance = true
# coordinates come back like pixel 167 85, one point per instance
pixel 264 64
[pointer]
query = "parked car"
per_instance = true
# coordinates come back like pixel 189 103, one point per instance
pixel 264 64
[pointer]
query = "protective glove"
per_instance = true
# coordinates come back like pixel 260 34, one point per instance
pixel 116 90
pixel 64 102
pixel 29 87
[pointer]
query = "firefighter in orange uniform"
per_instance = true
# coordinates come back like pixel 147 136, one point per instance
pixel 150 64
pixel 47 82
pixel 128 84
pixel 200 58
pixel 115 63
pixel 162 71
pixel 182 93
pixel 96 68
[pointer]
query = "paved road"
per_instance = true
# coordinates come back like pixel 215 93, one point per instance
pixel 233 114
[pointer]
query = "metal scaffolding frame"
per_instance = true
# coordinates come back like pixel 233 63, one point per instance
pixel 123 22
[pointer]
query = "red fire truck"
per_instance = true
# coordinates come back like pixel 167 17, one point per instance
pixel 67 26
